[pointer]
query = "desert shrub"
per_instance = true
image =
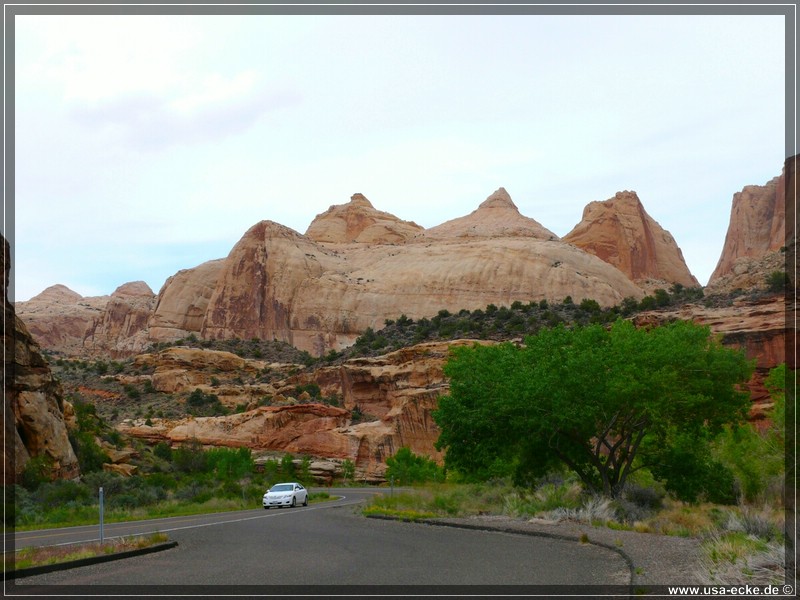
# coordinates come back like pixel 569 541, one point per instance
pixel 777 281
pixel 37 471
pixel 312 389
pixel 190 458
pixel 163 450
pixel 753 522
pixel 208 405
pixel 111 483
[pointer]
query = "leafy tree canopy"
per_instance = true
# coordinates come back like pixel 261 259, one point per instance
pixel 593 398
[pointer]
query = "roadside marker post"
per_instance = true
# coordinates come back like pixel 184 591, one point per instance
pixel 101 515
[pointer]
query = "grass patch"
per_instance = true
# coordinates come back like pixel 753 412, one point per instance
pixel 51 555
pixel 402 514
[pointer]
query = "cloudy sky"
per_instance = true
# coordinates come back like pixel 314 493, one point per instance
pixel 149 144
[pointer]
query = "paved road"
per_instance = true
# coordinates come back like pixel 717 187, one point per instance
pixel 330 544
pixel 89 533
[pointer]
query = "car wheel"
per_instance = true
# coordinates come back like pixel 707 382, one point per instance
pixel 305 501
pixel 266 508
pixel 294 501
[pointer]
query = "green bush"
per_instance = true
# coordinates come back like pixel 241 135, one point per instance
pixel 37 471
pixel 407 468
pixel 90 455
pixel 190 458
pixel 163 450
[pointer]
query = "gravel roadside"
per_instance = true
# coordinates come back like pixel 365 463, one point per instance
pixel 655 560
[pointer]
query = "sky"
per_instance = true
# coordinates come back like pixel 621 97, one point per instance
pixel 149 144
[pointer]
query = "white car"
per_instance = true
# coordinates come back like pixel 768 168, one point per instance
pixel 285 494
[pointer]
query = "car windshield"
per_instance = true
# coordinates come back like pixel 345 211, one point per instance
pixel 282 487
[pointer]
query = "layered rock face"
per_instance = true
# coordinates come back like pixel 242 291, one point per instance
pixel 758 225
pixel 357 267
pixel 34 407
pixel 183 301
pixel 620 232
pixel 394 393
pixel 58 318
pixel 121 329
pixel 319 296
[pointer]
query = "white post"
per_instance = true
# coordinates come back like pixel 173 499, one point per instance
pixel 101 515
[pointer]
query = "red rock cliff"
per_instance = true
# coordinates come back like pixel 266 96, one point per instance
pixel 620 232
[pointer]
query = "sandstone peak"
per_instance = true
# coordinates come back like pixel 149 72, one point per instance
pixel 358 221
pixel 360 200
pixel 497 216
pixel 58 294
pixel 133 288
pixel 499 199
pixel 620 232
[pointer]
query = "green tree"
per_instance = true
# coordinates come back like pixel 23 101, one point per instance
pixel 757 457
pixel 348 470
pixel 288 470
pixel 588 397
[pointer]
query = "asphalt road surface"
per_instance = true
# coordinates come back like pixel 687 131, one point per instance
pixel 327 544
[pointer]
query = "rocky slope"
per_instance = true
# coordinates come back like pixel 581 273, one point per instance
pixel 620 232
pixel 385 404
pixel 34 406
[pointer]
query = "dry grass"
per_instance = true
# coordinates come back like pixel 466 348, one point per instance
pixel 50 555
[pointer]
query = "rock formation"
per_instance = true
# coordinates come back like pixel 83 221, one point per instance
pixel 757 232
pixel 34 423
pixel 319 296
pixel 394 395
pixel 358 221
pixel 62 320
pixel 183 301
pixel 357 267
pixel 497 216
pixel 58 318
pixel 121 328
pixel 620 232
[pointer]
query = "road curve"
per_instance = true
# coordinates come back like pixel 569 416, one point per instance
pixel 330 544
